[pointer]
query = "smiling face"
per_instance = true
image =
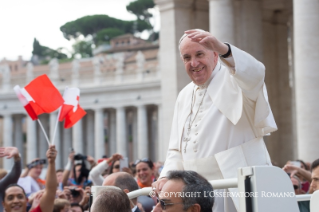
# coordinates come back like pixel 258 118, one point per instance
pixel 144 173
pixel 199 62
pixel 15 200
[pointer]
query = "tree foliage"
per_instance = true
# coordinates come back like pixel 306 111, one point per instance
pixel 105 35
pixel 140 8
pixel 83 48
pixel 91 25
pixel 46 53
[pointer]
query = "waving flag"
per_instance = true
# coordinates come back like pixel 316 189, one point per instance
pixel 71 112
pixel 39 96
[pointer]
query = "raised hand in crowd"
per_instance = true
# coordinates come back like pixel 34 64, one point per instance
pixel 299 172
pixel 47 199
pixel 9 152
pixel 85 196
pixel 96 172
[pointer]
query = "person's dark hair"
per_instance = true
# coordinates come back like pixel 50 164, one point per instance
pixel 12 185
pixel 147 161
pixel 77 205
pixel 110 171
pixel 126 181
pixel 84 172
pixel 315 164
pixel 111 200
pixel 304 164
pixel 195 183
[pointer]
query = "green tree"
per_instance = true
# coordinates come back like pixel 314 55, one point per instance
pixel 91 25
pixel 45 53
pixel 105 35
pixel 140 9
pixel 83 48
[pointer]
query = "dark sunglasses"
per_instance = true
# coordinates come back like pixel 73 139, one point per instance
pixel 296 187
pixel 164 204
pixel 116 167
pixel 145 160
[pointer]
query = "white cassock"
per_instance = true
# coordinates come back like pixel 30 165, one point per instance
pixel 230 115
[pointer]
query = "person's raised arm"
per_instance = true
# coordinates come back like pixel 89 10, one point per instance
pixel 96 172
pixel 67 169
pixel 47 200
pixel 14 174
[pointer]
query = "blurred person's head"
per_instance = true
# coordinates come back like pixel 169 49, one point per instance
pixel 3 173
pixel 61 205
pixel 315 175
pixel 115 167
pixel 75 207
pixel 144 170
pixel 296 184
pixel 186 181
pixel 59 175
pixel 123 180
pixel 35 168
pixel 112 199
pixel 35 171
pixel 14 199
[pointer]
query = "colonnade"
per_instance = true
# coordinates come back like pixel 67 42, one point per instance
pixel 130 131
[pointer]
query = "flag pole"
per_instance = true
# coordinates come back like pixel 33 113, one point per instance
pixel 56 125
pixel 57 120
pixel 45 134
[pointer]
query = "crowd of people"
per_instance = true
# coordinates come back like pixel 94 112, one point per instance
pixel 70 189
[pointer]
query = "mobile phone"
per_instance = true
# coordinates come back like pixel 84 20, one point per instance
pixel 123 163
pixel 296 163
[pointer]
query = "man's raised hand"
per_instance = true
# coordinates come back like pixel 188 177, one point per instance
pixel 9 152
pixel 51 154
pixel 207 40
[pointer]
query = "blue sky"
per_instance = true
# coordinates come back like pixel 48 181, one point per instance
pixel 21 21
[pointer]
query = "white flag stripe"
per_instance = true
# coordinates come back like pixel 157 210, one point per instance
pixel 20 96
pixel 70 97
pixel 26 95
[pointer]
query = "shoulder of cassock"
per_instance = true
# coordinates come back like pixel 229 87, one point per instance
pixel 236 88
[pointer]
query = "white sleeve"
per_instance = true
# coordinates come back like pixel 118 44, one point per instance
pixel 96 173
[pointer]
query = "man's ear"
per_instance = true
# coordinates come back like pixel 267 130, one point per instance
pixel 195 208
pixel 126 191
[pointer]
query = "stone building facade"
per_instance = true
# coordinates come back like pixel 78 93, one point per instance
pixel 129 88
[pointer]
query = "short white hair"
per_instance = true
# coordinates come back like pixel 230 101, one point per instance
pixel 182 38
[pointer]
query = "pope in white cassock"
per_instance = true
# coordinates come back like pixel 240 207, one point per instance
pixel 220 118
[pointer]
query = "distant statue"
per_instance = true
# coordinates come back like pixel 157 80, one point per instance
pixel 29 72
pixel 120 63
pixel 140 60
pixel 54 68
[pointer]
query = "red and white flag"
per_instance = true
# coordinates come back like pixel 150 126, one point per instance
pixel 39 96
pixel 71 112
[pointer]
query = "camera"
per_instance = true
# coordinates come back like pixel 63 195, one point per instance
pixel 74 192
pixel 80 157
pixel 35 163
